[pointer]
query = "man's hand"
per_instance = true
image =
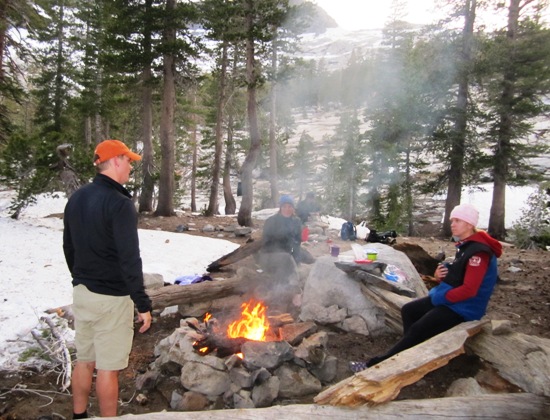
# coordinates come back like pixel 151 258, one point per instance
pixel 146 318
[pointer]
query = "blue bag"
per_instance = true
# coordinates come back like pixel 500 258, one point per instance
pixel 348 232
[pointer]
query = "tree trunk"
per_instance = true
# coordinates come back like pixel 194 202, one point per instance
pixel 408 190
pixel 147 157
pixel 454 189
pixel 59 73
pixel 88 130
pixel 503 150
pixel 3 29
pixel 216 168
pixel 230 203
pixel 195 157
pixel 273 168
pixel 165 205
pixel 100 133
pixel 244 217
pixel 147 162
pixel 351 198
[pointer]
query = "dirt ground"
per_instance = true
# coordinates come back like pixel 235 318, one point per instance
pixel 522 296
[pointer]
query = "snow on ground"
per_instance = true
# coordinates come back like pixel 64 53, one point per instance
pixel 35 278
pixel 482 195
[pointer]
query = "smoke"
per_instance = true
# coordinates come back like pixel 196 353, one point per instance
pixel 283 283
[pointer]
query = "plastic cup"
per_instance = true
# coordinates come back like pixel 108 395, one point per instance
pixel 334 250
pixel 305 234
pixel 372 255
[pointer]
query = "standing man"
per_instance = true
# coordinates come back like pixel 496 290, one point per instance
pixel 101 247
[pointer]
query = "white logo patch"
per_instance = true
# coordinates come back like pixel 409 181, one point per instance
pixel 475 261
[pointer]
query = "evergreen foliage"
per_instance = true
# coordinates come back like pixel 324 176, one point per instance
pixel 532 229
pixel 94 70
pixel 303 164
pixel 348 167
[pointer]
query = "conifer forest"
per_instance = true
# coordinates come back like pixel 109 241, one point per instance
pixel 209 93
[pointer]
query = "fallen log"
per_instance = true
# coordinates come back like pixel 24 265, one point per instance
pixel 482 407
pixel 402 266
pixel 382 382
pixel 205 291
pixel 389 302
pixel 376 267
pixel 372 274
pixel 381 283
pixel 225 305
pixel 523 360
pixel 250 247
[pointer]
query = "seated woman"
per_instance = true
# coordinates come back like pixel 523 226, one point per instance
pixel 464 290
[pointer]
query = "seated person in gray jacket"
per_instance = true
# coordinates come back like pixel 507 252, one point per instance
pixel 283 231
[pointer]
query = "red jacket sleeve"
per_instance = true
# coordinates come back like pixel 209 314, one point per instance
pixel 473 277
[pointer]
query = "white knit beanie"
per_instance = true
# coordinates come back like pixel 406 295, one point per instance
pixel 466 212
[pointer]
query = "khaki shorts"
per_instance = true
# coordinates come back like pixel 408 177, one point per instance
pixel 104 328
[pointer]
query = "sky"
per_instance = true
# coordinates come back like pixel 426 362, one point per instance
pixel 35 278
pixel 372 14
pixel 369 14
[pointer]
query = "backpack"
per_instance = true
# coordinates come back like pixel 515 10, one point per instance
pixel 348 232
pixel 384 237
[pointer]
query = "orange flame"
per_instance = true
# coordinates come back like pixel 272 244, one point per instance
pixel 207 316
pixel 253 324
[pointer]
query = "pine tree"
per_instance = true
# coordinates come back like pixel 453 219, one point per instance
pixel 515 97
pixel 303 164
pixel 350 167
pixel 457 152
pixel 260 18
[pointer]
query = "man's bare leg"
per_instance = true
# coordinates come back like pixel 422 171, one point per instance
pixel 107 392
pixel 82 385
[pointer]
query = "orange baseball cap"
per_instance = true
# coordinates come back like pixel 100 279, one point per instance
pixel 108 149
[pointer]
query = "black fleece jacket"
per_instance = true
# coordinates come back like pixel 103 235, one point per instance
pixel 100 241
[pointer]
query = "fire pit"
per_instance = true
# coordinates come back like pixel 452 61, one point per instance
pixel 247 361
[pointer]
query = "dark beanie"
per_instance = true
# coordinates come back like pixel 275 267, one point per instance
pixel 286 199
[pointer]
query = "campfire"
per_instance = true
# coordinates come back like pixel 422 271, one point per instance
pixel 253 325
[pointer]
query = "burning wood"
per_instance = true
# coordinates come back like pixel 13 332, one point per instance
pixel 279 320
pixel 253 325
pixel 222 345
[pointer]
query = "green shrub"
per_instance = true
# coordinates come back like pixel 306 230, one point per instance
pixel 33 353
